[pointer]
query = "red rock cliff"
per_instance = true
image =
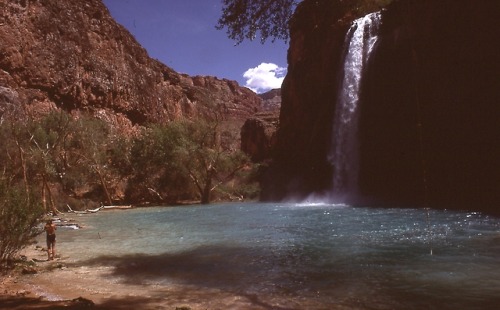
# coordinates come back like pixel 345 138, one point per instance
pixel 73 55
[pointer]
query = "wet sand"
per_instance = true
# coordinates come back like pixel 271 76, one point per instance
pixel 66 285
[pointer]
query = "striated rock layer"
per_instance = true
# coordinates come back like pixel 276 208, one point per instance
pixel 73 55
pixel 428 132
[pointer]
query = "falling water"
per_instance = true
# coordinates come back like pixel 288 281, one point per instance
pixel 359 43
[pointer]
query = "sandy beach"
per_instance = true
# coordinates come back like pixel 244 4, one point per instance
pixel 63 284
pixel 264 256
pixel 69 283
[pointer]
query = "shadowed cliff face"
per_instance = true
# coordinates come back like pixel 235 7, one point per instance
pixel 429 118
pixel 258 133
pixel 73 55
pixel 308 91
pixel 428 110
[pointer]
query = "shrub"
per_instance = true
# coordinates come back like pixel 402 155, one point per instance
pixel 19 216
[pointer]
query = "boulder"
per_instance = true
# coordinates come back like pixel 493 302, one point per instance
pixel 258 135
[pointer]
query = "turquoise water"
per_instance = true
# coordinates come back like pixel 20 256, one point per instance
pixel 326 255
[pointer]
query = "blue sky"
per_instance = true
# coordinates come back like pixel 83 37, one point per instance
pixel 182 35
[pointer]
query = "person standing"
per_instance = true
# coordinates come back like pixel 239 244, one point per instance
pixel 50 228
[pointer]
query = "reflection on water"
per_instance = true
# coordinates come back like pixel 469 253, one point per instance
pixel 316 256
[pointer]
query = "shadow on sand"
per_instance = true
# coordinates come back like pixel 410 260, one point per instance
pixel 29 303
pixel 263 275
pixel 244 272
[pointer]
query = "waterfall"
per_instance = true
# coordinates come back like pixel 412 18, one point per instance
pixel 359 43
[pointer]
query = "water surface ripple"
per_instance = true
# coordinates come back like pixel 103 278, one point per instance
pixel 300 255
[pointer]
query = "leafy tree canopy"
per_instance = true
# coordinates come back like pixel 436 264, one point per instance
pixel 244 19
pixel 269 19
pixel 185 160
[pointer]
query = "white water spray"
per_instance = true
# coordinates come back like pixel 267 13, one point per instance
pixel 359 43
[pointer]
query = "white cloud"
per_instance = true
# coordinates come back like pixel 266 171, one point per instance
pixel 264 77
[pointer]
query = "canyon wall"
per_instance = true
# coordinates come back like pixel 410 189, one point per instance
pixel 300 165
pixel 72 55
pixel 429 122
pixel 61 55
pixel 428 131
pixel 258 133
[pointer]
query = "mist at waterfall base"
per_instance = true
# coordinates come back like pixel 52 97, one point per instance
pixel 300 256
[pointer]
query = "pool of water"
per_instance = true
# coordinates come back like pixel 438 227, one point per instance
pixel 313 255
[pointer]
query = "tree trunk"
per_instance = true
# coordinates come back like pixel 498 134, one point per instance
pixel 44 196
pixel 207 191
pixel 23 165
pixel 49 194
pixel 46 193
pixel 103 183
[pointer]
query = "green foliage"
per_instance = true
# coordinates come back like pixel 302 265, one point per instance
pixel 84 149
pixel 183 160
pixel 83 155
pixel 118 155
pixel 46 140
pixel 60 157
pixel 98 155
pixel 245 184
pixel 156 174
pixel 9 162
pixel 19 216
pixel 206 159
pixel 245 19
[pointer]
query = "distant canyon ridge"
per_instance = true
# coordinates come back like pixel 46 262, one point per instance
pixel 72 55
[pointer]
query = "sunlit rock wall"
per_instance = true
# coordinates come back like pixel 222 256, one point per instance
pixel 72 55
